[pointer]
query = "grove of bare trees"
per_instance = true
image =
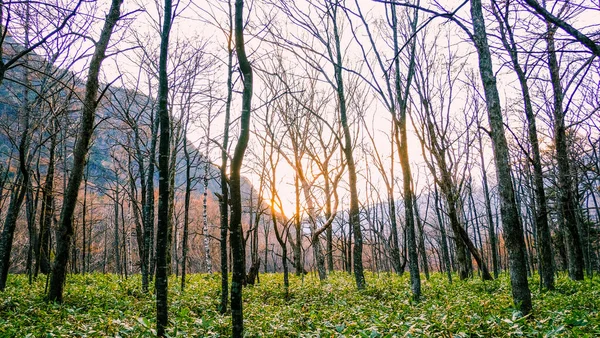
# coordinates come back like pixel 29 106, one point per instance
pixel 310 136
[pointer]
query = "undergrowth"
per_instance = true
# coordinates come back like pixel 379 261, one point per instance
pixel 97 305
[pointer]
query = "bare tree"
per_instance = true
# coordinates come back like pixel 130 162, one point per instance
pixel 90 103
pixel 236 236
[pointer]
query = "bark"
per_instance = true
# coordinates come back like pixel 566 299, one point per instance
pixel 164 174
pixel 297 244
pixel 66 231
pixel 142 234
pixel 513 230
pixel 579 36
pixel 400 136
pixel 186 213
pixel 8 231
pixel 175 138
pixel 42 254
pixel 139 232
pixel 422 251
pixel 235 179
pixel 541 217
pixel 348 153
pixel 445 250
pixel 22 182
pixel 488 208
pixel 148 206
pixel 567 201
pixel 117 248
pixel 224 197
pixel 84 221
pixel 395 247
pixel 204 204
pixel 282 242
pixel 124 241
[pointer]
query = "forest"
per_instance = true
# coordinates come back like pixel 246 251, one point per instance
pixel 299 168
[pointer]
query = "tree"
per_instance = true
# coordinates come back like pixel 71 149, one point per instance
pixel 8 62
pixel 437 135
pixel 164 172
pixel 585 40
pixel 90 103
pixel 235 227
pixel 567 203
pixel 395 94
pixel 541 219
pixel 327 32
pixel 513 230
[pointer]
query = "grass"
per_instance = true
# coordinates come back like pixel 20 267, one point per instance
pixel 99 305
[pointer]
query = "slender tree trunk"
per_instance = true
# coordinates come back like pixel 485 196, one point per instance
pixel 164 173
pixel 186 213
pixel 541 217
pixel 400 136
pixel 124 240
pixel 138 220
pixel 395 245
pixel 445 250
pixel 116 243
pixel 42 252
pixel 84 221
pixel 422 251
pixel 282 242
pixel 22 187
pixel 298 231
pixel 488 208
pixel 224 198
pixel 66 231
pixel 348 154
pixel 204 204
pixel 175 137
pixel 566 195
pixel 513 230
pixel 235 179
pixel 16 201
pixel 31 203
pixel 149 206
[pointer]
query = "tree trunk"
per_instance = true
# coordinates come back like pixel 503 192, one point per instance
pixel 422 251
pixel 164 183
pixel 445 252
pixel 566 195
pixel 116 243
pixel 235 179
pixel 400 136
pixel 66 231
pixel 186 213
pixel 204 204
pixel 297 247
pixel 488 208
pixel 42 254
pixel 513 231
pixel 348 154
pixel 541 217
pixel 224 197
pixel 84 221
pixel 22 182
pixel 149 207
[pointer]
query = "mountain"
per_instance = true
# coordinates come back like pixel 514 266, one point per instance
pixel 111 135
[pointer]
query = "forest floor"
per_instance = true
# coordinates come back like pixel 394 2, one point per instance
pixel 97 305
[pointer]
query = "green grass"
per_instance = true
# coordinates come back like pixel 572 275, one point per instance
pixel 106 306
